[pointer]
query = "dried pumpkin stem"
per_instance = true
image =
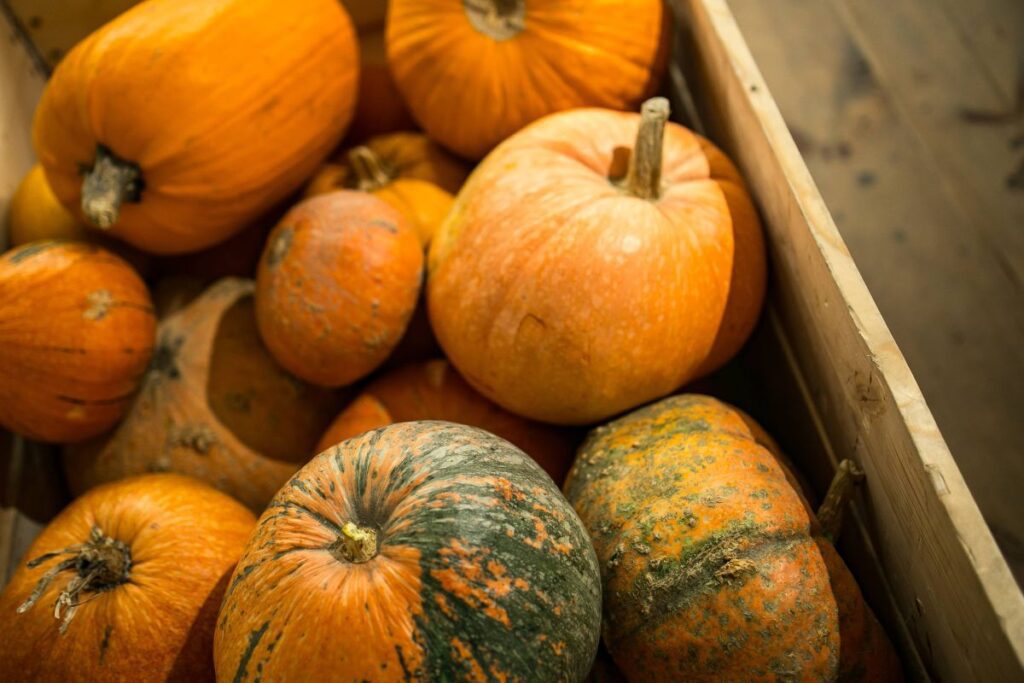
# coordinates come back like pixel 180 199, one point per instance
pixel 99 564
pixel 369 168
pixel 499 19
pixel 644 177
pixel 830 514
pixel 106 186
pixel 356 544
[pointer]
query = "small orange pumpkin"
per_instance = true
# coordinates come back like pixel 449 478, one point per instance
pixel 36 214
pixel 434 391
pixel 337 285
pixel 569 284
pixel 124 585
pixel 76 333
pixel 213 405
pixel 473 73
pixel 201 115
pixel 380 108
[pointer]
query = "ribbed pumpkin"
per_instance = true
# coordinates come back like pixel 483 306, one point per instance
pixel 421 551
pixel 337 285
pixel 214 405
pixel 406 170
pixel 713 567
pixel 380 108
pixel 201 115
pixel 434 391
pixel 124 585
pixel 574 279
pixel 36 214
pixel 473 73
pixel 76 333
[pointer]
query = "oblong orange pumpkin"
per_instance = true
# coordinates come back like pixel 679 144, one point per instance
pixel 443 550
pixel 37 214
pixel 76 333
pixel 201 115
pixel 434 391
pixel 569 284
pixel 135 571
pixel 713 566
pixel 337 285
pixel 473 73
pixel 214 405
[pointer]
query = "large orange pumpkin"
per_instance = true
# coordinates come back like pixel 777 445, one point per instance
pixel 124 585
pixel 713 566
pixel 213 405
pixel 380 108
pixel 568 285
pixel 337 285
pixel 434 391
pixel 201 115
pixel 473 73
pixel 36 214
pixel 422 551
pixel 76 333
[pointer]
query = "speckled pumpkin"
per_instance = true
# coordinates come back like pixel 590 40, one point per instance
pixel 712 564
pixel 434 391
pixel 422 551
pixel 76 333
pixel 124 585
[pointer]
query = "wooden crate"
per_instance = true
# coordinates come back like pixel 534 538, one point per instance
pixel 821 371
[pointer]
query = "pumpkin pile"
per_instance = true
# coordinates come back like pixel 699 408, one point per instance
pixel 369 272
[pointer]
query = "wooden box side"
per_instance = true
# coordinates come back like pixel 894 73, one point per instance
pixel 951 584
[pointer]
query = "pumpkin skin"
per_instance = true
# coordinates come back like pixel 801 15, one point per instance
pixel 380 108
pixel 336 286
pixel 213 405
pixel 222 108
pixel 76 333
pixel 450 553
pixel 36 214
pixel 184 539
pixel 673 284
pixel 453 61
pixel 434 391
pixel 712 564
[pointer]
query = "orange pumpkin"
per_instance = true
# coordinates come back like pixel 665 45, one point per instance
pixel 214 405
pixel 713 566
pixel 36 214
pixel 380 107
pixel 76 333
pixel 568 285
pixel 473 73
pixel 124 585
pixel 337 284
pixel 434 391
pixel 202 115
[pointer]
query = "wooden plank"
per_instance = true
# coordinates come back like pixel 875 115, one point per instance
pixel 951 583
pixel 994 32
pixel 932 274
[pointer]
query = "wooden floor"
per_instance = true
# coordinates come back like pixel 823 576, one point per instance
pixel 910 114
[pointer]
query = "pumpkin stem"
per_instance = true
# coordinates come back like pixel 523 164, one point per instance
pixel 101 563
pixel 369 168
pixel 108 184
pixel 499 19
pixel 356 544
pixel 644 177
pixel 830 514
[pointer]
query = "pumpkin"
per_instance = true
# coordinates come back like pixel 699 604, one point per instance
pixel 473 73
pixel 420 551
pixel 202 115
pixel 569 285
pixel 76 333
pixel 336 286
pixel 36 214
pixel 124 585
pixel 237 256
pixel 434 391
pixel 213 405
pixel 380 108
pixel 712 564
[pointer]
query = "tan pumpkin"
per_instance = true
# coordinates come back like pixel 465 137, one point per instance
pixel 473 73
pixel 574 279
pixel 380 108
pixel 124 585
pixel 76 333
pixel 213 405
pixel 202 114
pixel 36 213
pixel 337 285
